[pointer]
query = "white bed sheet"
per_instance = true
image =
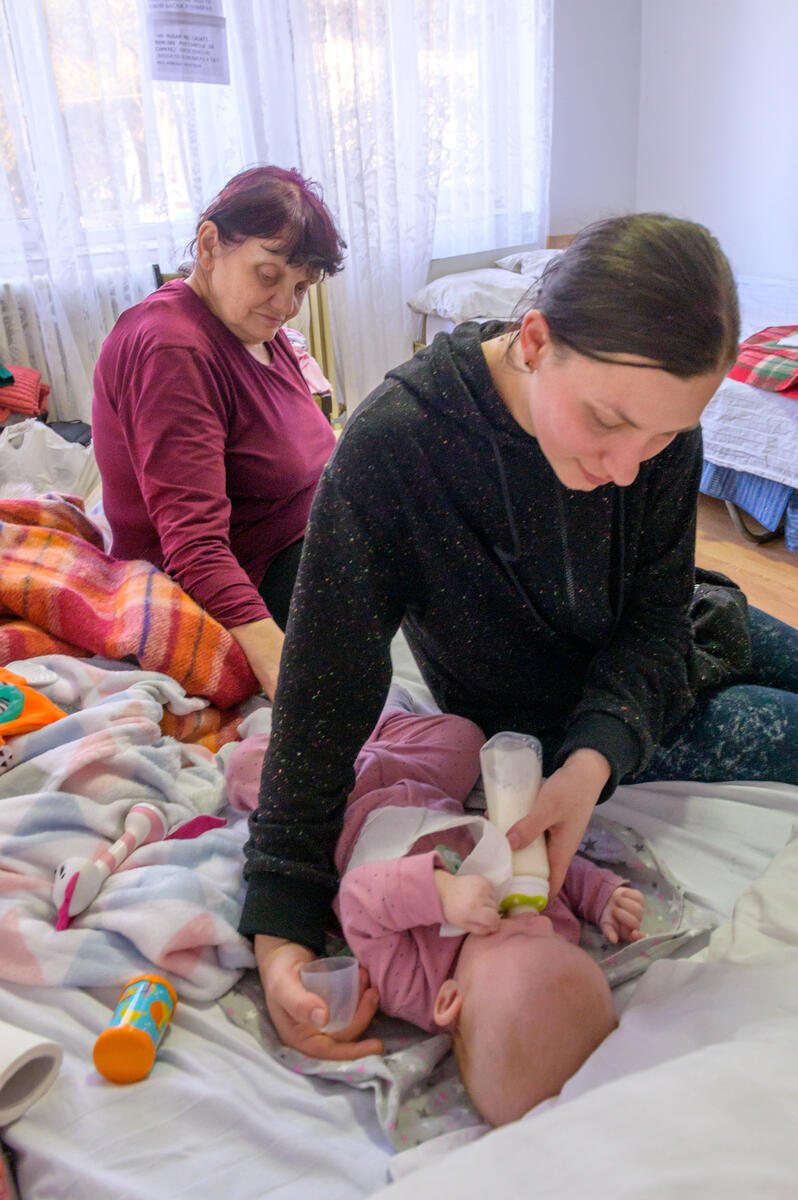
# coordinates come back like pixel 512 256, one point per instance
pixel 710 1123
pixel 217 1116
pixel 747 428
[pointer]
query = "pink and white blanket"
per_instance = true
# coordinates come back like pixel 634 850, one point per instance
pixel 65 790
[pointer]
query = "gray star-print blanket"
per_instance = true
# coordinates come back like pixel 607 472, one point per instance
pixel 670 919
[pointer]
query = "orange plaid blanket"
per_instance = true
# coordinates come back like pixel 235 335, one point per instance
pixel 60 593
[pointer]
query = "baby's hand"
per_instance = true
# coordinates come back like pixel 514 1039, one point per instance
pixel 468 901
pixel 622 915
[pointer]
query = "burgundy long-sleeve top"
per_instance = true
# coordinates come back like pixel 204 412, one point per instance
pixel 209 458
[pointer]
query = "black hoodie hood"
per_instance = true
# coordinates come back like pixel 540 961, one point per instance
pixel 450 378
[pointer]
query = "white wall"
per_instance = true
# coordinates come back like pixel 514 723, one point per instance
pixel 718 133
pixel 595 111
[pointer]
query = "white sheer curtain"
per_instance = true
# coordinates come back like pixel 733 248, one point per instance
pixel 425 121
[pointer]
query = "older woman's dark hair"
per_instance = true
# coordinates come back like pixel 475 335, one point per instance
pixel 278 205
pixel 644 284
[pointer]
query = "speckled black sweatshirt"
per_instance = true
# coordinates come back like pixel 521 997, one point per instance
pixel 527 606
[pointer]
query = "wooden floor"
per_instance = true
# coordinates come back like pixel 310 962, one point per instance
pixel 768 574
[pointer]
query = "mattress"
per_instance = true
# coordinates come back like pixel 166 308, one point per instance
pixel 221 1115
pixel 753 431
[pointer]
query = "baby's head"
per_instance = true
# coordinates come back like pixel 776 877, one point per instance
pixel 526 1008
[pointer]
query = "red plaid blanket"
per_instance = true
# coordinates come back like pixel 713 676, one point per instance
pixel 763 363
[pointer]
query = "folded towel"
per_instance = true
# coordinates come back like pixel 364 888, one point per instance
pixel 27 394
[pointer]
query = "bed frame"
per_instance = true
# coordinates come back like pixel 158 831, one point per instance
pixel 313 320
pixel 486 258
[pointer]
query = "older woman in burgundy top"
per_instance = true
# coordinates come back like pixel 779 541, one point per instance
pixel 208 440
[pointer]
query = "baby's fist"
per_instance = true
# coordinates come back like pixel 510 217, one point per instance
pixel 468 901
pixel 622 915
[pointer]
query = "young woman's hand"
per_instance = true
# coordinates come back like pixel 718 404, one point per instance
pixel 468 901
pixel 298 1015
pixel 562 810
pixel 622 915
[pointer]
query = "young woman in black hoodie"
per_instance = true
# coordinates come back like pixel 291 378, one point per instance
pixel 521 500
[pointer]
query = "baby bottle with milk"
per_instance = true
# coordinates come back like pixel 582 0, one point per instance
pixel 511 775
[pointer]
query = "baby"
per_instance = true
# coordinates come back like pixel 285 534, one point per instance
pixel 524 1004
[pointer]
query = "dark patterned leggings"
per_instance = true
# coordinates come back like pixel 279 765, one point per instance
pixel 748 730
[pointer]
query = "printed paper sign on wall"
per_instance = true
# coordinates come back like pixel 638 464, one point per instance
pixel 188 41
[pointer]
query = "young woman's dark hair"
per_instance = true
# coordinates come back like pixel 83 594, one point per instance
pixel 646 284
pixel 272 203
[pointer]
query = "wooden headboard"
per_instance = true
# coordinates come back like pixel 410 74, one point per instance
pixel 558 241
pixel 486 258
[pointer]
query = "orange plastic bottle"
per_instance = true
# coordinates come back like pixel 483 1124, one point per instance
pixel 125 1051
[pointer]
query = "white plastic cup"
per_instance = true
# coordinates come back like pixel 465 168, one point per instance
pixel 335 980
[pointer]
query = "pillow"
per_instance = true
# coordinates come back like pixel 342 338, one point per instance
pixel 528 262
pixel 487 292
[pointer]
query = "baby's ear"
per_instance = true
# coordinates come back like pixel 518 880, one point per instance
pixel 448 1003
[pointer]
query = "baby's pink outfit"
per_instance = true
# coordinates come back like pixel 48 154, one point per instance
pixel 390 911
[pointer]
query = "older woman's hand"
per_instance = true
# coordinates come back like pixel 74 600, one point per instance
pixel 562 810
pixel 262 642
pixel 298 1015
